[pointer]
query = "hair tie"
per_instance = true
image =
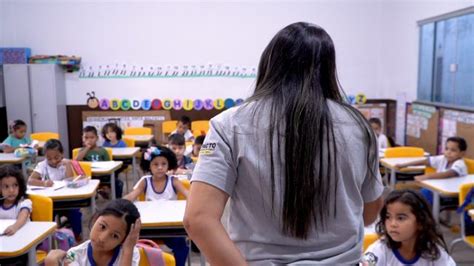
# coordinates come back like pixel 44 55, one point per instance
pixel 151 151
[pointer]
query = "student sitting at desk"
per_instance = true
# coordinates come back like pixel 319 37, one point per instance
pixel 17 137
pixel 182 128
pixel 93 153
pixel 14 204
pixel 56 168
pixel 159 186
pixel 450 164
pixel 178 146
pixel 382 141
pixel 112 135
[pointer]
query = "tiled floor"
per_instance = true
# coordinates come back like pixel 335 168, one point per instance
pixel 463 255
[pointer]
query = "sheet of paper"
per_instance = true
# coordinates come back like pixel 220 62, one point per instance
pixel 57 185
pixel 5 223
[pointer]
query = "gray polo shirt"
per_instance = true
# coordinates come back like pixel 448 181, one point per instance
pixel 235 159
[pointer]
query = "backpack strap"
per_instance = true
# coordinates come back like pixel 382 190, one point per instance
pixel 153 252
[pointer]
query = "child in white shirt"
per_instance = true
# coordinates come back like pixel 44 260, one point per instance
pixel 382 141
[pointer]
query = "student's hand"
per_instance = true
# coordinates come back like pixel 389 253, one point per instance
pixel 9 231
pixel 133 235
pixel 8 149
pixel 54 257
pixel 48 183
pixel 420 178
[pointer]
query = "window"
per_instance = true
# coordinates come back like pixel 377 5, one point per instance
pixel 446 59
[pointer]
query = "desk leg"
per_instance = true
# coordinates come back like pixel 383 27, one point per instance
pixel 32 256
pixel 393 178
pixel 23 169
pixel 134 168
pixel 112 185
pixel 93 204
pixel 436 206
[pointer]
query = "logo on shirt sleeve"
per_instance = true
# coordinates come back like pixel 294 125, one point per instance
pixel 208 148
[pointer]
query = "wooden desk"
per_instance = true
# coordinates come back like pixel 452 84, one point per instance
pixel 25 240
pixel 444 187
pixel 70 198
pixel 390 163
pixel 127 153
pixel 107 168
pixel 10 158
pixel 139 139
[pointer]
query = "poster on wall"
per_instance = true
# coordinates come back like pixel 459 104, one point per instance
pixel 448 129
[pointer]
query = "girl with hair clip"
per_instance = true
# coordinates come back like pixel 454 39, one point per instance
pixel 408 234
pixel 299 162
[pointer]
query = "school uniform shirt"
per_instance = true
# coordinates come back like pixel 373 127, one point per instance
pixel 440 163
pixel 379 254
pixel 14 142
pixel 235 159
pixel 81 255
pixel 47 172
pixel 119 144
pixel 382 141
pixel 13 211
pixel 151 194
pixel 188 135
pixel 98 154
pixel 185 161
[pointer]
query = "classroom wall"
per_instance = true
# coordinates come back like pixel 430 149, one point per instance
pixel 376 40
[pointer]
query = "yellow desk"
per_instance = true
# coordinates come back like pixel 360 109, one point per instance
pixel 139 139
pixel 10 158
pixel 25 240
pixel 107 168
pixel 444 187
pixel 389 163
pixel 69 198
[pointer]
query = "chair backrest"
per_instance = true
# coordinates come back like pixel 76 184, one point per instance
pixel 137 131
pixel 404 152
pixel 167 258
pixel 369 239
pixel 75 152
pixel 200 127
pixel 129 142
pixel 42 208
pixel 470 165
pixel 86 167
pixel 44 136
pixel 168 126
pixel 180 196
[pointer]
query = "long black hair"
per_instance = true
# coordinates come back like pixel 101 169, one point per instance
pixel 296 77
pixel 12 171
pixel 429 237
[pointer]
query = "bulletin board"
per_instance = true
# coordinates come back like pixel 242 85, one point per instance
pixel 457 123
pixel 422 124
pixel 378 110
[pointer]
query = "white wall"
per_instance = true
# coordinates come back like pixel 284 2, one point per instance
pixel 376 41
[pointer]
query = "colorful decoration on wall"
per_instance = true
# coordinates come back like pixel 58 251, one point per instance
pixel 146 71
pixel 161 104
pixel 92 101
pixel 359 98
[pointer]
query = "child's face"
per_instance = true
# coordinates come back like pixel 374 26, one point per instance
pixel 20 132
pixel 159 166
pixel 10 189
pixel 376 128
pixel 452 151
pixel 178 150
pixel 111 135
pixel 181 128
pixel 107 233
pixel 53 157
pixel 196 149
pixel 89 139
pixel 400 222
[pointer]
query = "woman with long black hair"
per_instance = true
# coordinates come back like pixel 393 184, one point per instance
pixel 299 164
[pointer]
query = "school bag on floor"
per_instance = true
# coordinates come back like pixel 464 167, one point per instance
pixel 62 239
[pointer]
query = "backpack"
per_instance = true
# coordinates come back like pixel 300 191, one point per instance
pixel 468 203
pixel 152 251
pixel 62 239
